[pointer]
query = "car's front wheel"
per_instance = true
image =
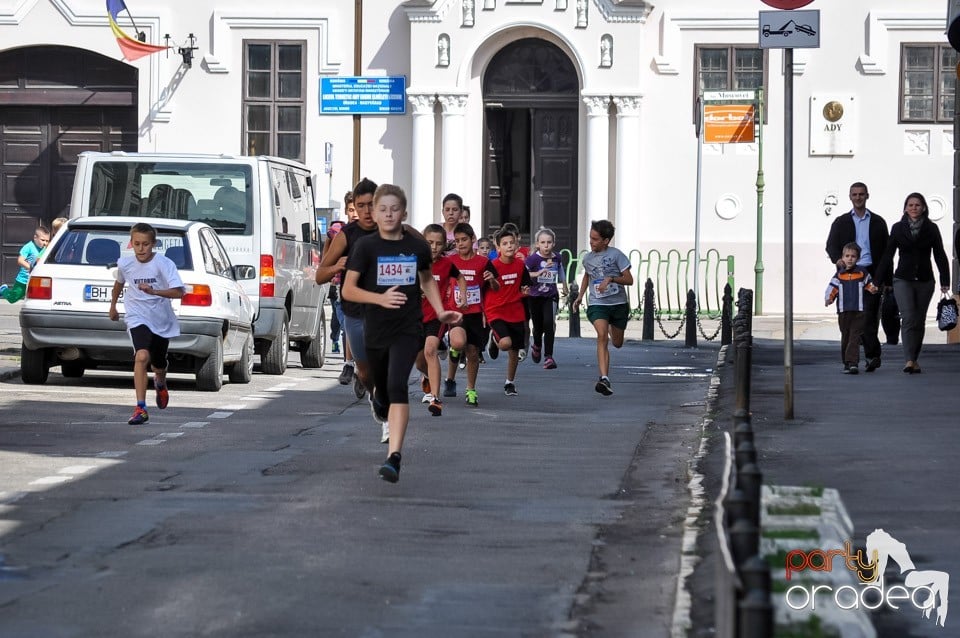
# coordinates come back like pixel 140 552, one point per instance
pixel 313 352
pixel 242 370
pixel 210 371
pixel 274 360
pixel 33 366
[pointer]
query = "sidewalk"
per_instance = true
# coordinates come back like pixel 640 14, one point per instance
pixel 886 440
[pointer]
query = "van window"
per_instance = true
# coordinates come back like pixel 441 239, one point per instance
pixel 293 204
pixel 217 194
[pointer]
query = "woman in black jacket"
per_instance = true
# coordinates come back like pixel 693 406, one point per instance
pixel 914 237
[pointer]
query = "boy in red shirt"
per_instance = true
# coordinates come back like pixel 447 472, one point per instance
pixel 479 274
pixel 444 273
pixel 504 306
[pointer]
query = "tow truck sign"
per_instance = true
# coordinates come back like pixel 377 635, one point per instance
pixel 789 29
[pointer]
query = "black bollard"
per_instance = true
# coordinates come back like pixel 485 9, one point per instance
pixel 726 317
pixel 742 432
pixel 742 376
pixel 691 335
pixel 756 615
pixel 755 574
pixel 749 479
pixel 574 322
pixel 648 314
pixel 744 541
pixel 748 310
pixel 736 506
pixel 745 454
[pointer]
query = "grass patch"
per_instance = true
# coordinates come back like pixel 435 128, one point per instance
pixel 791 533
pixel 797 509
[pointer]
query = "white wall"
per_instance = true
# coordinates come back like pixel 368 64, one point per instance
pixel 199 109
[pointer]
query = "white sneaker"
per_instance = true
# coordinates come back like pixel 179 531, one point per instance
pixel 427 398
pixel 521 355
pixel 385 433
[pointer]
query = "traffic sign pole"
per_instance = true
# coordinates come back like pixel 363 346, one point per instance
pixel 788 234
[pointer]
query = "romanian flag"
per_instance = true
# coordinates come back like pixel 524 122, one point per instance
pixel 131 48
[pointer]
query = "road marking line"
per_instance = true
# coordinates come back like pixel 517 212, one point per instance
pixel 169 435
pixel 77 469
pixel 233 407
pixel 219 415
pixel 151 442
pixel 111 454
pixel 51 480
pixel 196 424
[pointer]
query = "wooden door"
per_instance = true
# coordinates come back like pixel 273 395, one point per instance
pixel 554 174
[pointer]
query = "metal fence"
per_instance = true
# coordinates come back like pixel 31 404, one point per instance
pixel 672 274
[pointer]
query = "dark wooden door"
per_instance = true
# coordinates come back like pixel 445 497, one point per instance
pixel 55 102
pixel 554 178
pixel 39 146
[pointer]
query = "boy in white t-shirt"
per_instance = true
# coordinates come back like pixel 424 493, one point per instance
pixel 152 281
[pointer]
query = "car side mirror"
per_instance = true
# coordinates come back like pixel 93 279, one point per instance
pixel 242 272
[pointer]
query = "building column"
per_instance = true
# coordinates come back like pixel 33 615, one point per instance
pixel 420 206
pixel 453 132
pixel 627 218
pixel 597 158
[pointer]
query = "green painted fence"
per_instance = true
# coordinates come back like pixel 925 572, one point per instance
pixel 672 276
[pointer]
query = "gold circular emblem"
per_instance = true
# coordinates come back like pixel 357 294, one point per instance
pixel 833 111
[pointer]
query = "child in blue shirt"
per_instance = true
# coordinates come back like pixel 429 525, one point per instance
pixel 847 288
pixel 26 260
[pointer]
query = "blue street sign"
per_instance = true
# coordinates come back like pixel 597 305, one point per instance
pixel 372 95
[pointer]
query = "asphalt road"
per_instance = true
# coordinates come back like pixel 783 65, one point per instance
pixel 256 511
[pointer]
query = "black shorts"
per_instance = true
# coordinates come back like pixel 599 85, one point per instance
pixel 144 339
pixel 435 328
pixel 476 331
pixel 500 329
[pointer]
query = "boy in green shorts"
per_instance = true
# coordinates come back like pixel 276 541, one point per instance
pixel 606 272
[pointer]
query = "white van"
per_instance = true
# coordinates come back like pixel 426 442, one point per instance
pixel 262 208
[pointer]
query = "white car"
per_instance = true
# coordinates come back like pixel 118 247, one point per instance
pixel 64 320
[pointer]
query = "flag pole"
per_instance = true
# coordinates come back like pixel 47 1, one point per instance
pixel 140 35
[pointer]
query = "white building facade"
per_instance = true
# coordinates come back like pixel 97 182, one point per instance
pixel 541 112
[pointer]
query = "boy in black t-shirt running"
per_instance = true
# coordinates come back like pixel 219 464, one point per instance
pixel 388 269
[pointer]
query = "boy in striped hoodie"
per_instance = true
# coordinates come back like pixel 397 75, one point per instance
pixel 847 288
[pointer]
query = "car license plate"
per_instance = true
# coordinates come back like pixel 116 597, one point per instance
pixel 94 292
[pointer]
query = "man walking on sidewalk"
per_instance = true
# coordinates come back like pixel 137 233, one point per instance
pixel 869 231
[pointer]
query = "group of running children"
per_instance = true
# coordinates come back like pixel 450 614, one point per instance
pixel 437 291
pixel 402 295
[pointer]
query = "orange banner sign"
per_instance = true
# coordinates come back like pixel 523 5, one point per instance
pixel 728 123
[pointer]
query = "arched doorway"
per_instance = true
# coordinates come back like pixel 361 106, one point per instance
pixel 55 102
pixel 531 110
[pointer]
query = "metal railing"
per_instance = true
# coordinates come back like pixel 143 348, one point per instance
pixel 672 275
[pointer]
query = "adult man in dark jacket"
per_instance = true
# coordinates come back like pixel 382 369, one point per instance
pixel 870 231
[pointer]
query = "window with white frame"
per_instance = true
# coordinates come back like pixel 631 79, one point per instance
pixel 274 98
pixel 724 67
pixel 928 82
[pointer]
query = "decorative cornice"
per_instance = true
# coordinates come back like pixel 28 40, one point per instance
pixel 453 103
pixel 628 105
pixel 597 105
pixel 671 40
pixel 422 103
pixel 632 11
pixel 880 23
pixel 219 60
pixel 427 10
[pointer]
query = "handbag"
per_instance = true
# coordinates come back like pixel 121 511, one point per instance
pixel 947 313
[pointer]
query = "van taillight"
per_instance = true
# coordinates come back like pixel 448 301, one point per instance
pixel 199 295
pixel 40 288
pixel 266 275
